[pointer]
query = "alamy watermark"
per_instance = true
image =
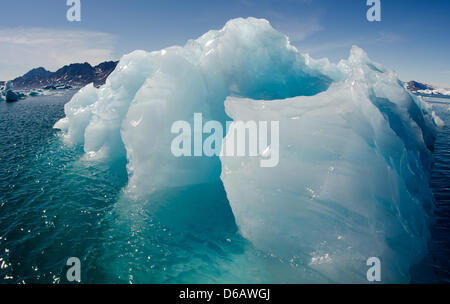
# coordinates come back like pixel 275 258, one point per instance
pixel 248 138
pixel 74 11
pixel 74 272
pixel 374 12
pixel 374 272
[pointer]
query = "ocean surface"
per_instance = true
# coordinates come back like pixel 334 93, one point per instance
pixel 440 182
pixel 55 205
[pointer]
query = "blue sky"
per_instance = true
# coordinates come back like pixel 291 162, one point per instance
pixel 413 37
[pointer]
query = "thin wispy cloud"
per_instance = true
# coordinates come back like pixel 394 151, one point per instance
pixel 298 30
pixel 25 48
pixel 383 37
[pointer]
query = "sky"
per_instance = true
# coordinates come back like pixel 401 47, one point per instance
pixel 413 37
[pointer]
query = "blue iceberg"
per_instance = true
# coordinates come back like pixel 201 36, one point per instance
pixel 355 145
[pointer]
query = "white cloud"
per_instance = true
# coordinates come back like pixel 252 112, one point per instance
pixel 22 49
pixel 298 30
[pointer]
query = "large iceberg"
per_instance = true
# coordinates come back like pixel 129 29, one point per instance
pixel 355 145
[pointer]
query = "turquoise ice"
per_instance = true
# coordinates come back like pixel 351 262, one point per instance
pixel 352 182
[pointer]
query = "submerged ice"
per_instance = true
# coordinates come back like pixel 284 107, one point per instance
pixel 355 145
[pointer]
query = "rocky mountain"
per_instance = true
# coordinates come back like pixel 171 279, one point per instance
pixel 415 86
pixel 426 89
pixel 74 75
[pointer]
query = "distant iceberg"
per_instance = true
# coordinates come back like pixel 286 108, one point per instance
pixel 355 145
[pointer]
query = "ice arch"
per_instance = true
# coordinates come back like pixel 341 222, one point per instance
pixel 353 176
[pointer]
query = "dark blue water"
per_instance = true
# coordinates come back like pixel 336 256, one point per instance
pixel 54 205
pixel 440 182
pixel 44 217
